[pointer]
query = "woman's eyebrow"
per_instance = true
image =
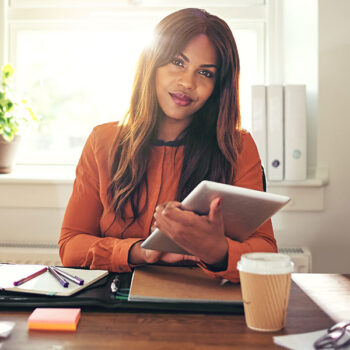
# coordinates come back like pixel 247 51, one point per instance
pixel 202 65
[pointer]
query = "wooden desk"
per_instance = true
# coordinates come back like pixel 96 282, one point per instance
pixel 166 331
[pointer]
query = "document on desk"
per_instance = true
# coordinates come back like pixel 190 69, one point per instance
pixel 303 341
pixel 180 284
pixel 45 283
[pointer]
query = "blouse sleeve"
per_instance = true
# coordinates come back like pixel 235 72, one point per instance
pixel 81 243
pixel 248 175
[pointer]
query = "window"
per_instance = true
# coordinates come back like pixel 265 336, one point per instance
pixel 75 62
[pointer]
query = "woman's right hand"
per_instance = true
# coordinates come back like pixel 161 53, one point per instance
pixel 139 256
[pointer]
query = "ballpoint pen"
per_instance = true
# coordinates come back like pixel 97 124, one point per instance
pixel 62 281
pixel 75 279
pixel 28 278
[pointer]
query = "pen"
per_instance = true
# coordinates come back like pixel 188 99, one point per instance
pixel 75 279
pixel 62 281
pixel 25 279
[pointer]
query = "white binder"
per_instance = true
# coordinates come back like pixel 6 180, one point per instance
pixel 259 120
pixel 275 130
pixel 295 132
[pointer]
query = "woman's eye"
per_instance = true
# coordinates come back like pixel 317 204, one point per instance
pixel 207 73
pixel 177 62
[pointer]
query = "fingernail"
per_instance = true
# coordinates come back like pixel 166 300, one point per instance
pixel 219 201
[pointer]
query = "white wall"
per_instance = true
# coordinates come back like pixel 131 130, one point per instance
pixel 321 58
pixel 299 46
pixel 32 204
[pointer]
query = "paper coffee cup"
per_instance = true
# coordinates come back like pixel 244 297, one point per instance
pixel 265 283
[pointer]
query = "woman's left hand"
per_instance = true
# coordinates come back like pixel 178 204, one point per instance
pixel 201 235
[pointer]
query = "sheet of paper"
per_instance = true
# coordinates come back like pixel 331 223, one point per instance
pixel 303 341
pixel 13 272
pixel 6 328
pixel 331 292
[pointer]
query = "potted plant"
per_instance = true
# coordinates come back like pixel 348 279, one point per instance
pixel 13 114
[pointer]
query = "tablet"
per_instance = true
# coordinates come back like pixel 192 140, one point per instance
pixel 244 210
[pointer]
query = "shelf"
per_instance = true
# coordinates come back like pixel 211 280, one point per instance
pixel 315 182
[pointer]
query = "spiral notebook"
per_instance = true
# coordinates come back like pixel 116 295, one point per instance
pixel 45 283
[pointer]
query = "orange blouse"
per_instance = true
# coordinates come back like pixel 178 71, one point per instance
pixel 91 237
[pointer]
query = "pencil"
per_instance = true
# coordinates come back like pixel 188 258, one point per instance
pixel 28 278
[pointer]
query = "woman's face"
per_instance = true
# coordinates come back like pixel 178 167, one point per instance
pixel 187 81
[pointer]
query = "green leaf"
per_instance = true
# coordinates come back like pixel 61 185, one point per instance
pixel 2 99
pixel 8 135
pixel 7 70
pixel 13 112
pixel 8 138
pixel 9 105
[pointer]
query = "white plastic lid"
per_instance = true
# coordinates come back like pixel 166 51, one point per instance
pixel 265 263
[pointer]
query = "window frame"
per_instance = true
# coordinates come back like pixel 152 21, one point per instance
pixel 65 14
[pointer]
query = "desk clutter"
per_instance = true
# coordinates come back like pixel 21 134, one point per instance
pixel 47 280
pixel 161 288
pixel 178 330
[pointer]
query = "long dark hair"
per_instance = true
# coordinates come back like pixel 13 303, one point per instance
pixel 211 141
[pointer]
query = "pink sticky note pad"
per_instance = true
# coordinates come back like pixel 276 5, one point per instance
pixel 54 319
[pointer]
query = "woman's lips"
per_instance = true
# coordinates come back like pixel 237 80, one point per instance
pixel 181 99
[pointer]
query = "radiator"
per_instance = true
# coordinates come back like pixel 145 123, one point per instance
pixel 27 253
pixel 300 256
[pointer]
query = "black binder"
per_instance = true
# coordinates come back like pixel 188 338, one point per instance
pixel 99 297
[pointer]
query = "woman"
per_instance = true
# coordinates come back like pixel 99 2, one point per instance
pixel 183 126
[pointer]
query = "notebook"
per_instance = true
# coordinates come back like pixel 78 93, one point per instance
pixel 54 319
pixel 45 283
pixel 180 284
